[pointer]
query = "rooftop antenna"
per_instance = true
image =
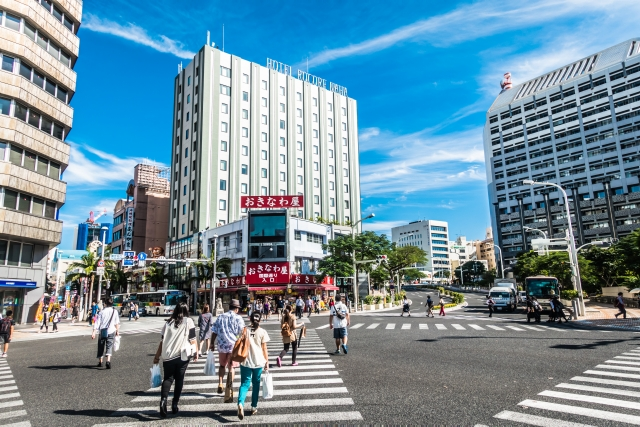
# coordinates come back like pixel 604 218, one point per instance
pixel 208 38
pixel 223 37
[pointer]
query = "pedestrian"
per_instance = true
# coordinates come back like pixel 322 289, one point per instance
pixel 267 308
pixel 6 332
pixel 251 368
pixel 309 306
pixel 280 307
pixel 530 310
pixel 331 303
pixel 136 311
pixel 94 313
pixel 205 321
pixel 537 309
pixel 74 313
pixel 259 307
pixel 429 305
pixel 178 334
pixel 619 303
pixel 226 330
pixel 132 310
pixel 108 326
pixel 45 320
pixel 299 307
pixel 288 328
pixel 559 310
pixel 490 303
pixel 441 307
pixel 55 319
pixel 406 306
pixel 339 320
pixel 552 312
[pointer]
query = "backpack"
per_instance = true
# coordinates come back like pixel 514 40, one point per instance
pixel 285 329
pixel 5 326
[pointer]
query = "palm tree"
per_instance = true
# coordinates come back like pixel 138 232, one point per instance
pixel 87 267
pixel 119 280
pixel 155 275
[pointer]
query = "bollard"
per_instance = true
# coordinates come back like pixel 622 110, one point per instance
pixel 576 308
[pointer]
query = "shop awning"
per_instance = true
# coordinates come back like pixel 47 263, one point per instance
pixel 267 288
pixel 314 287
pixel 17 284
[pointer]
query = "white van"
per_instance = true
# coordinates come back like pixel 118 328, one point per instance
pixel 504 298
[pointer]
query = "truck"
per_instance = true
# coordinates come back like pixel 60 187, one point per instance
pixel 505 283
pixel 542 288
pixel 504 298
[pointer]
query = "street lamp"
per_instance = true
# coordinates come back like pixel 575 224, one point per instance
pixel 501 262
pixel 535 229
pixel 213 280
pixel 573 254
pixel 104 237
pixel 55 294
pixel 353 258
pixel 597 242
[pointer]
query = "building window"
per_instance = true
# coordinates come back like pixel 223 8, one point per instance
pixel 316 166
pixel 245 78
pixel 299 96
pixel 224 90
pixel 344 157
pixel 344 111
pixel 245 150
pixel 330 154
pixel 282 141
pixel 223 185
pixel 346 188
pixel 263 172
pixel 184 209
pixel 299 162
pixel 331 169
pixel 281 90
pixel 225 72
pixel 299 129
pixel 299 112
pixel 315 149
pixel 245 114
pixel 297 235
pixel 346 204
pixel 344 141
pixel 224 127
pixel 243 188
pixel 223 205
pixel 224 110
pixel 299 145
pixel 189 81
pixel 264 85
pixel 282 124
pixel 344 126
pixel 245 132
pixel 263 154
pixel 330 105
pixel 346 172
pixel 330 123
pixel 184 190
pixel 315 102
pixel 263 119
pixel 186 170
pixel 332 202
pixel 264 102
pixel 315 133
pixel 316 200
pixel 300 179
pixel 244 169
pixel 283 177
pixel 223 145
pixel 264 137
pixel 223 165
pixel 330 137
pixel 331 185
pixel 281 107
pixel 245 96
pixel 263 191
pixel 184 230
pixel 316 182
pixel 315 118
pixel 283 159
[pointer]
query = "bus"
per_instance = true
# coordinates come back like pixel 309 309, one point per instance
pixel 121 302
pixel 543 288
pixel 159 302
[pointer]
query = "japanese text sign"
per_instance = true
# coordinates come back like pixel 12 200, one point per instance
pixel 276 202
pixel 267 273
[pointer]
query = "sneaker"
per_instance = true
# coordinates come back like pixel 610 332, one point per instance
pixel 108 365
pixel 220 390
pixel 99 364
pixel 4 355
pixel 294 364
pixel 254 410
pixel 279 362
pixel 337 351
pixel 240 412
pixel 344 348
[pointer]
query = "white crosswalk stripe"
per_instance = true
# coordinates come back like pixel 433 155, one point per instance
pixel 424 326
pixel 10 400
pixel 476 327
pixel 356 326
pixel 585 398
pixel 373 325
pixel 440 326
pixel 406 326
pixel 458 327
pixel 302 394
pixel 391 326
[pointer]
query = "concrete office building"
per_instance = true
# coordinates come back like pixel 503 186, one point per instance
pixel 577 126
pixel 244 129
pixel 485 251
pixel 140 221
pixel 461 251
pixel 431 236
pixel 88 232
pixel 39 48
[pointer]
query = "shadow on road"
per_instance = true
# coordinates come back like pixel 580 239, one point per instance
pixel 590 345
pixel 99 413
pixel 63 367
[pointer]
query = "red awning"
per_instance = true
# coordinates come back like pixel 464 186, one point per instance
pixel 315 287
pixel 330 288
pixel 267 288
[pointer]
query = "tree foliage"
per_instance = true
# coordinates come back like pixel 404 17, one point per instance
pixel 555 264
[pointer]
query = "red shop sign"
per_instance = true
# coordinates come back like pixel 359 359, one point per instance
pixel 232 282
pixel 293 202
pixel 309 279
pixel 265 273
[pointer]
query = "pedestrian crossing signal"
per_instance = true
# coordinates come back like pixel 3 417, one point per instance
pixel 381 258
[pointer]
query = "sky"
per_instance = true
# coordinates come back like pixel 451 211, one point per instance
pixel 423 73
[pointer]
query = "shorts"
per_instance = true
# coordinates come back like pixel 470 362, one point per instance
pixel 225 358
pixel 339 333
pixel 4 339
pixel 280 310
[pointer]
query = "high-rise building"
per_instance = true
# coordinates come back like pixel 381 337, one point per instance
pixel 39 48
pixel 431 236
pixel 245 129
pixel 579 127
pixel 140 222
pixel 485 251
pixel 88 232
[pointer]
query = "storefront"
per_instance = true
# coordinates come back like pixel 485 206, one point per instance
pixel 12 295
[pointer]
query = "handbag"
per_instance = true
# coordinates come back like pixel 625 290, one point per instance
pixel 116 343
pixel 241 348
pixel 267 385
pixel 187 349
pixel 104 332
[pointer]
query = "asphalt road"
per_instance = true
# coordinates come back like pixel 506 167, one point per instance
pixel 463 369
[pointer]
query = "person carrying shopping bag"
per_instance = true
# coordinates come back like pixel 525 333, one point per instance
pixel 288 328
pixel 251 368
pixel 177 347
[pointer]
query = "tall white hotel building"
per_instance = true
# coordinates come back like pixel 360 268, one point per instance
pixel 577 126
pixel 245 129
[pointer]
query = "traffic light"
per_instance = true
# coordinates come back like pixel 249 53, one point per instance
pixel 381 258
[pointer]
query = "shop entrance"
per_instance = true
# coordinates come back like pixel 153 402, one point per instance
pixel 12 299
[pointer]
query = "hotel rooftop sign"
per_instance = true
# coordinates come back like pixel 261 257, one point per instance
pixel 305 77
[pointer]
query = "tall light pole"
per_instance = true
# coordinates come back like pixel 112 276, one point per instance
pixel 535 229
pixel 353 258
pixel 501 262
pixel 213 280
pixel 573 254
pixel 104 237
pixel 55 294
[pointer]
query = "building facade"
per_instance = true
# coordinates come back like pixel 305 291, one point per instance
pixel 579 127
pixel 39 48
pixel 485 250
pixel 140 221
pixel 88 232
pixel 433 237
pixel 242 129
pixel 461 250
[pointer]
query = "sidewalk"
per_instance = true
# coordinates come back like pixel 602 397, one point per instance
pixel 599 315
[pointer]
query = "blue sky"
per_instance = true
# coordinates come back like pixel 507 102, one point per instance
pixel 423 72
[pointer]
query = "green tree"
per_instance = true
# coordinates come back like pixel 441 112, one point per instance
pixel 339 262
pixel 488 277
pixel 412 274
pixel 400 258
pixel 224 266
pixel 472 270
pixel 155 275
pixel 119 280
pixel 555 264
pixel 88 266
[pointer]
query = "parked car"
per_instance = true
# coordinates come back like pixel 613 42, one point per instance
pixel 522 295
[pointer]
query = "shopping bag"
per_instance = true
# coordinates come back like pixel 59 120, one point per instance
pixel 156 376
pixel 210 365
pixel 267 385
pixel 116 343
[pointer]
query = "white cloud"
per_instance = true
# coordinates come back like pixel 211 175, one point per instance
pixel 368 133
pixel 136 34
pixel 476 20
pixel 382 226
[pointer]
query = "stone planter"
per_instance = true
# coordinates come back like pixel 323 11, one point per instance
pixel 367 307
pixel 379 306
pixel 388 305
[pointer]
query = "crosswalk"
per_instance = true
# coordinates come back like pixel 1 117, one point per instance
pixel 609 392
pixel 11 414
pixel 468 327
pixel 311 392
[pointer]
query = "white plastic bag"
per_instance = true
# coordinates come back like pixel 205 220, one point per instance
pixel 156 376
pixel 116 343
pixel 267 385
pixel 210 365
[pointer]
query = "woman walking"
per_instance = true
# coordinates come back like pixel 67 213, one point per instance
pixel 251 368
pixel 288 328
pixel 107 325
pixel 266 307
pixel 45 319
pixel 441 307
pixel 55 319
pixel 205 321
pixel 179 332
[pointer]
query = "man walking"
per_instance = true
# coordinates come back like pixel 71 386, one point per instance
pixel 338 321
pixel 429 306
pixel 280 308
pixel 309 306
pixel 227 329
pixel 6 331
pixel 107 326
pixel 620 304
pixel 490 304
pixel 299 307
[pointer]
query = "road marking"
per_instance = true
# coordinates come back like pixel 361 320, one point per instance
pixel 458 327
pixel 606 381
pixel 612 374
pixel 533 328
pixel 9 396
pixel 12 414
pixel 591 399
pixel 497 328
pixel 587 412
pixel 12 387
pixel 274 374
pixel 423 326
pixel 619 368
pixel 440 326
pixel 627 357
pixel 5 377
pixel 391 326
pixel 20 424
pixel 7 382
pixel 10 404
pixel 357 325
pixel 622 362
pixel 631 354
pixel 535 420
pixel 476 327
pixel 406 326
pixel 275 383
pixel 322 327
pixel 600 389
pixel 514 328
pixel 276 392
pixel 373 325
